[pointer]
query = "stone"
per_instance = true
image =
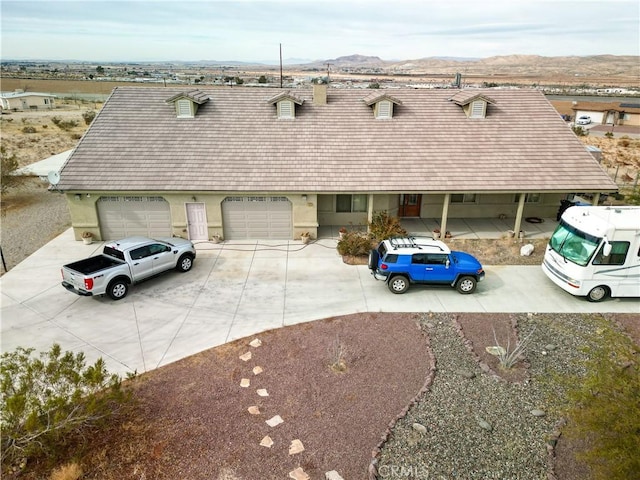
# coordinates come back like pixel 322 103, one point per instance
pixel 485 425
pixel 245 382
pixel 257 370
pixel 245 357
pixel 255 343
pixel 274 421
pixel 254 410
pixel 266 442
pixel 538 413
pixel 526 250
pixel 419 428
pixel 262 392
pixel 550 347
pixel 296 447
pixel 298 474
pixel 332 475
pixel 466 374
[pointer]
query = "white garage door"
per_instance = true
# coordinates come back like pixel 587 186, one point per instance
pixel 122 217
pixel 257 218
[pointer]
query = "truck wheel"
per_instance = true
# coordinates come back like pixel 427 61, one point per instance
pixel 599 293
pixel 118 289
pixel 374 256
pixel 398 284
pixel 466 284
pixel 185 262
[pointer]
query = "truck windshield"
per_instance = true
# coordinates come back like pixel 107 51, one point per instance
pixel 572 244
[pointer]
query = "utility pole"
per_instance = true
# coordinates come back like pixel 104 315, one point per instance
pixel 280 65
pixel 328 69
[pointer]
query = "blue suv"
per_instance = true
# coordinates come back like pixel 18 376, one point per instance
pixel 402 261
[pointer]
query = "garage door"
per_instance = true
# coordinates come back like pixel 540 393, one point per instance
pixel 257 218
pixel 122 217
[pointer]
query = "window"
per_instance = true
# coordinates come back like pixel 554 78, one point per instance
pixel 351 203
pixel 158 248
pixel 529 198
pixel 616 257
pixel 140 253
pixel 463 198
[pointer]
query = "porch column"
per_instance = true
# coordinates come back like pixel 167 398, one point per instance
pixel 516 226
pixel 596 199
pixel 369 211
pixel 445 213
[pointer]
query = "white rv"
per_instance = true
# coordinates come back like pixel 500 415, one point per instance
pixel 595 252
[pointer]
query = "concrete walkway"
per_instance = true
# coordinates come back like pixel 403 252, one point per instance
pixel 236 289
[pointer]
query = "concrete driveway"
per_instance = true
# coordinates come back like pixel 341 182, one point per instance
pixel 236 289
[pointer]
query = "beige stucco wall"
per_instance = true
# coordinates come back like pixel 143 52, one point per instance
pixel 491 205
pixel 22 103
pixel 84 211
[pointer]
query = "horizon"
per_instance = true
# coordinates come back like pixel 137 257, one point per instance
pixel 251 31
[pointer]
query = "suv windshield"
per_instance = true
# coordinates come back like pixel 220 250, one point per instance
pixel 573 244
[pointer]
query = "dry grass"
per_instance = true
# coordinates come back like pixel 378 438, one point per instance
pixel 69 471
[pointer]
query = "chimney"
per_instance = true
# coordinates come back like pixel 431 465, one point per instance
pixel 319 94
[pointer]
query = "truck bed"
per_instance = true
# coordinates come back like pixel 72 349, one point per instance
pixel 91 265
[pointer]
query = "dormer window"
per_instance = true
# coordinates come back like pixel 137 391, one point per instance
pixel 382 104
pixel 187 103
pixel 285 105
pixel 473 104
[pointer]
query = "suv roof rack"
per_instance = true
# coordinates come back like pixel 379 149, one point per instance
pixel 410 242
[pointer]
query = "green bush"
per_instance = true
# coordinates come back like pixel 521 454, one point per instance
pixel 604 408
pixel 383 226
pixel 579 131
pixel 48 400
pixel 9 164
pixel 355 244
pixel 29 129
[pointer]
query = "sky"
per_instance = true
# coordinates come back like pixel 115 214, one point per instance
pixel 309 30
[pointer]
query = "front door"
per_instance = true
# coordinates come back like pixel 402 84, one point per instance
pixel 410 205
pixel 197 221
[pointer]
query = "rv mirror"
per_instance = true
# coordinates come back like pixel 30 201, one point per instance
pixel 606 250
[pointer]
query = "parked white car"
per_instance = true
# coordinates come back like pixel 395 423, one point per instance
pixel 583 120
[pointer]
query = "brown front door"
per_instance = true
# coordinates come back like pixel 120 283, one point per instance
pixel 410 205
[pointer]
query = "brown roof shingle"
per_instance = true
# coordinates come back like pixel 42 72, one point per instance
pixel 236 143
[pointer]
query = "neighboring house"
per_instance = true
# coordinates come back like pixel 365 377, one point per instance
pixel 248 163
pixel 21 100
pixel 608 113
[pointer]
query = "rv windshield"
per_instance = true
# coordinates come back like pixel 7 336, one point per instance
pixel 573 244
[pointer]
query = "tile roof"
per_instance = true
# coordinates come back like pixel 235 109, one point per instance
pixel 196 96
pixel 465 97
pixel 606 107
pixel 283 95
pixel 377 96
pixel 236 143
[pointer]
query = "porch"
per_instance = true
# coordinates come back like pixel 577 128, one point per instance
pixel 462 227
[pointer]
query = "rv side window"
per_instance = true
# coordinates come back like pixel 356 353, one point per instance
pixel 617 257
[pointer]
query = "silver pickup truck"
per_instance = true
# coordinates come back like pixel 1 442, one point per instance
pixel 125 262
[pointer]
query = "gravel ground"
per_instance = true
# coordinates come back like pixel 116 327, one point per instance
pixel 31 217
pixel 513 444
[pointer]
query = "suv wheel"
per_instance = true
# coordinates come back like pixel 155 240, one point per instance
pixel 466 284
pixel 398 284
pixel 374 256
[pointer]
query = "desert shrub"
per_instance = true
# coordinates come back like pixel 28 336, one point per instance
pixel 624 141
pixel 9 164
pixel 88 116
pixel 609 134
pixel 65 125
pixel 383 226
pixel 69 471
pixel 579 131
pixel 604 407
pixel 75 136
pixel 355 244
pixel 29 129
pixel 49 400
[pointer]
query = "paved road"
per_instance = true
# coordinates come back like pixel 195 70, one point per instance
pixel 237 289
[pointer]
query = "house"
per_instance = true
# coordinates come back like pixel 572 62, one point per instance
pixel 609 113
pixel 21 100
pixel 247 163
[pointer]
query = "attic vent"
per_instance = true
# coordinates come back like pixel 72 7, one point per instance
pixel 285 108
pixel 286 104
pixel 183 107
pixel 384 109
pixel 478 108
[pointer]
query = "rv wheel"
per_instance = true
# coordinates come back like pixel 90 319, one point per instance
pixel 597 294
